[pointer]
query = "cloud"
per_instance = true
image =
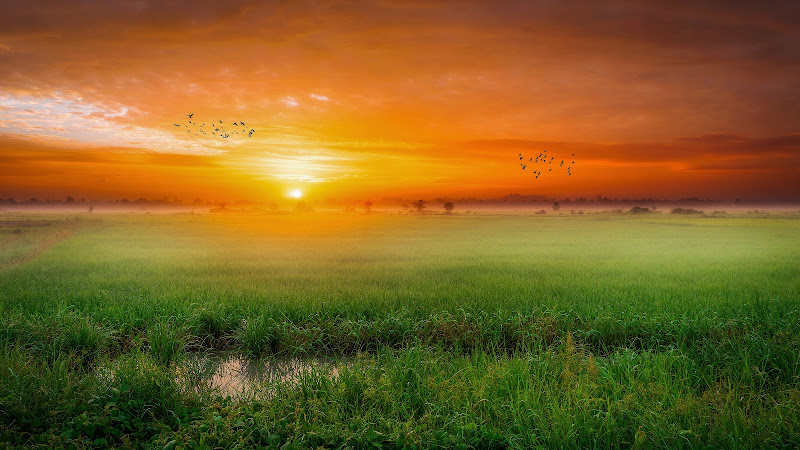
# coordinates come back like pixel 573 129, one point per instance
pixel 67 119
pixel 710 151
pixel 445 85
pixel 290 102
pixel 17 152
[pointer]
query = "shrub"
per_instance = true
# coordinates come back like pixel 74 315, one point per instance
pixel 685 211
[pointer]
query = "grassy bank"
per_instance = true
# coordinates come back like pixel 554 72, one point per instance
pixel 483 331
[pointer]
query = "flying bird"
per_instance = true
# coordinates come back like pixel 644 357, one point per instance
pixel 219 130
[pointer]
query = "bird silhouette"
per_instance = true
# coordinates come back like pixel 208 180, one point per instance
pixel 219 130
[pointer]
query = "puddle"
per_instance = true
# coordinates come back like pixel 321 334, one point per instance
pixel 235 375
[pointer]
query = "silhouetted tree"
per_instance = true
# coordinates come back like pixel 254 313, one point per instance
pixel 685 211
pixel 419 204
pixel 91 208
pixel 367 206
pixel 449 207
pixel 556 206
pixel 70 199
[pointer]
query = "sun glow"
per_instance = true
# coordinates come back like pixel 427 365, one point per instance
pixel 295 193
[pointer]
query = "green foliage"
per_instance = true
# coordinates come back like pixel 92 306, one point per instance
pixel 259 335
pixel 166 342
pixel 649 331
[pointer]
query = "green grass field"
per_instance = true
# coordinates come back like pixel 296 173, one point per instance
pixel 470 331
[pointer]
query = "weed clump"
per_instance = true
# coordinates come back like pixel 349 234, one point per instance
pixel 259 335
pixel 83 339
pixel 166 342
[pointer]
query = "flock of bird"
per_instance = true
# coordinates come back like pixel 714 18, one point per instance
pixel 216 129
pixel 542 159
pixel 219 130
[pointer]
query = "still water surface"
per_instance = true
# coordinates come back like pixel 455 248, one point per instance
pixel 235 375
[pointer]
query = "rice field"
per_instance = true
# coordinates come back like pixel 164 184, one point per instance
pixel 459 331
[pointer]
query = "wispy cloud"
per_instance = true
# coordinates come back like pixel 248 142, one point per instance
pixel 290 102
pixel 70 120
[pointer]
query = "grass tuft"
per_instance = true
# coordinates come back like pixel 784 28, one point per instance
pixel 259 336
pixel 167 342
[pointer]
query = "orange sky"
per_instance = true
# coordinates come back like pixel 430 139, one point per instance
pixel 382 98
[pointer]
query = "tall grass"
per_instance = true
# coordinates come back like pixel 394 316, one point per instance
pixel 474 331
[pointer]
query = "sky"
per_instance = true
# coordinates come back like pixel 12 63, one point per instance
pixel 370 99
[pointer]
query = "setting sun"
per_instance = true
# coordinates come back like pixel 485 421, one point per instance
pixel 295 193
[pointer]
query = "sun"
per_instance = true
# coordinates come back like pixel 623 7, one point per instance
pixel 296 193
